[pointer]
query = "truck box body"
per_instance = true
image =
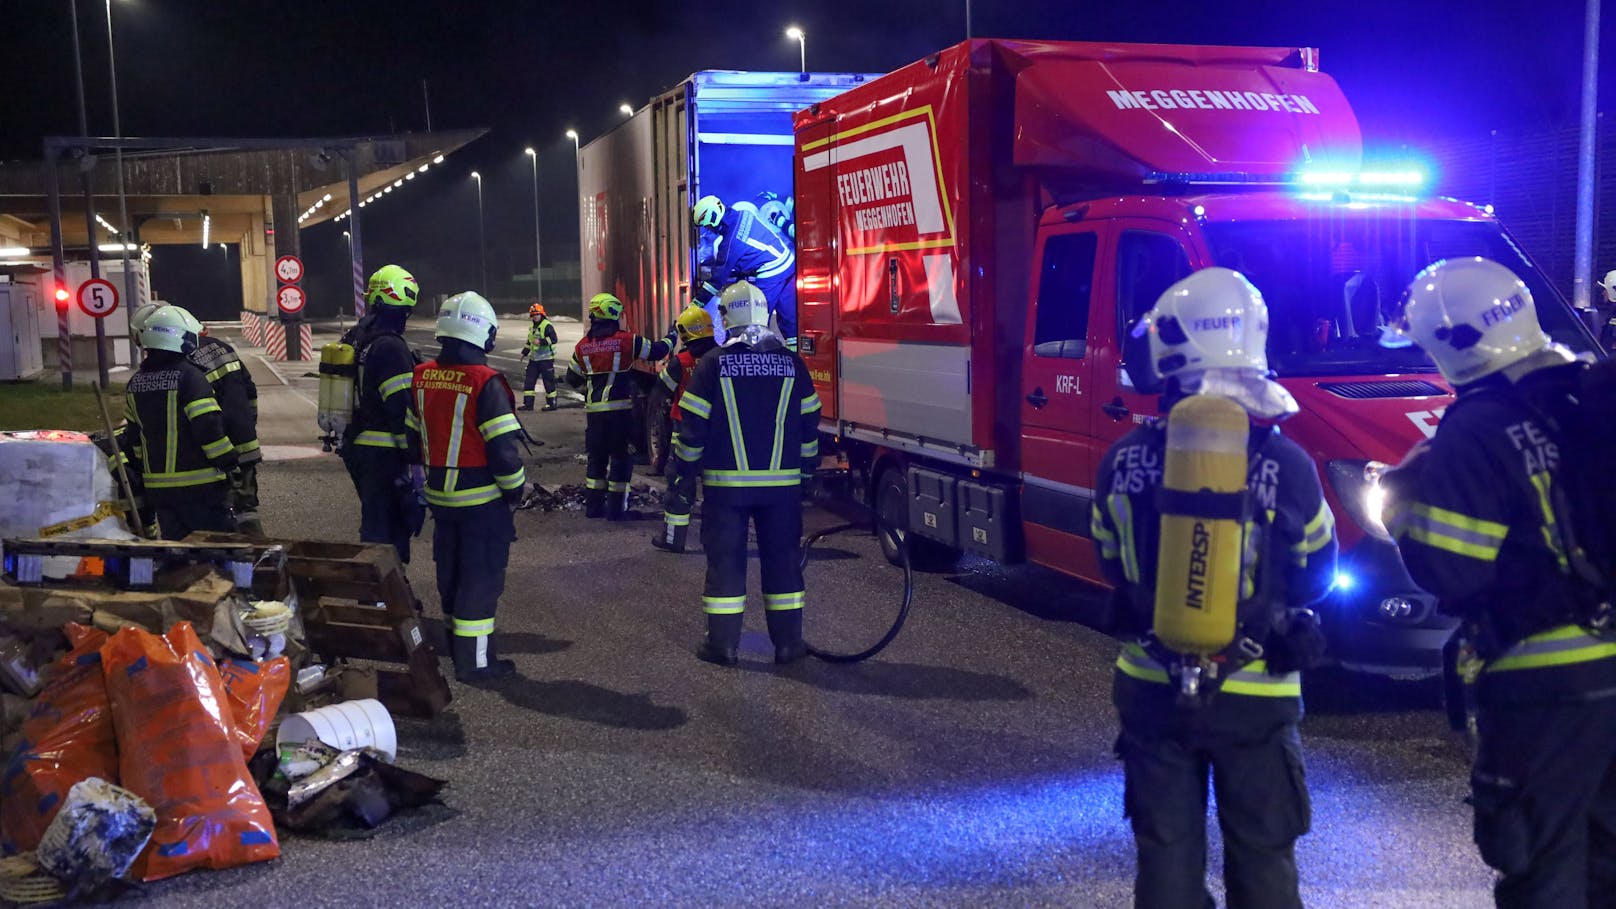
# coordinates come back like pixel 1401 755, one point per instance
pixel 978 233
pixel 719 133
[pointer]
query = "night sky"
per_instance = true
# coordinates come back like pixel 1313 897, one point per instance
pixel 1412 69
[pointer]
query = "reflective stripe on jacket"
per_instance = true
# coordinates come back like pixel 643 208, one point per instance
pixel 462 414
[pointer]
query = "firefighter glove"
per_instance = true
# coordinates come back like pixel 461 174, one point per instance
pixel 1300 646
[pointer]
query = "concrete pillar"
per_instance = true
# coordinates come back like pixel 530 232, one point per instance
pixel 255 268
pixel 287 243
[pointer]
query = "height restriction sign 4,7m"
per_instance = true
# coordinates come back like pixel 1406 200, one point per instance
pixel 98 297
pixel 289 269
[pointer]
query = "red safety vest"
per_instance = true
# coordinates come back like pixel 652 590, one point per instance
pixel 446 398
pixel 687 365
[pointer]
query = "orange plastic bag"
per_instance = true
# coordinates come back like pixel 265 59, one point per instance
pixel 67 739
pixel 255 691
pixel 178 750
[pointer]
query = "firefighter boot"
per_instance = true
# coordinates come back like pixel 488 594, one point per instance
pixel 594 503
pixel 723 640
pixel 476 660
pixel 672 537
pixel 549 402
pixel 617 505
pixel 785 632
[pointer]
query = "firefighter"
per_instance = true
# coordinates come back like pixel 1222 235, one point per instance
pixel 600 366
pixel 461 419
pixel 747 247
pixel 177 431
pixel 373 446
pixel 238 399
pixel 1481 515
pixel 750 427
pixel 695 328
pixel 1242 727
pixel 540 355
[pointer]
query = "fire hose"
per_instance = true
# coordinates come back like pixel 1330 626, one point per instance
pixel 902 547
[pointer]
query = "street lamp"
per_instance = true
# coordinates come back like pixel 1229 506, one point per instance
pixel 482 248
pixel 625 109
pixel 573 135
pixel 538 250
pixel 796 34
pixel 123 200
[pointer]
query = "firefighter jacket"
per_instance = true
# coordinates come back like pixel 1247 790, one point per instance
pixel 1477 516
pixel 677 376
pixel 541 341
pixel 175 429
pixel 460 419
pixel 385 365
pixel 234 389
pixel 601 361
pixel 750 424
pixel 745 247
pixel 1290 545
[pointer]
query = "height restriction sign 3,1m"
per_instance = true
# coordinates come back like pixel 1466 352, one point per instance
pixel 290 299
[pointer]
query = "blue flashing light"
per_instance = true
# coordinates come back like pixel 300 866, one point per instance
pixel 1341 179
pixel 1344 581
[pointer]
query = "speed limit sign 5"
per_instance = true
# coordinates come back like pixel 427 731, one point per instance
pixel 98 298
pixel 290 299
pixel 289 269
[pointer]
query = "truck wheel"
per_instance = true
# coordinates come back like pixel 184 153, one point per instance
pixel 659 427
pixel 892 513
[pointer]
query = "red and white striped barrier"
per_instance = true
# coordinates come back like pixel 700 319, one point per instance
pixel 252 329
pixel 274 334
pixel 305 336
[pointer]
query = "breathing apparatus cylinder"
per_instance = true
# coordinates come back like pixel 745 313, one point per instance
pixel 337 381
pixel 1202 504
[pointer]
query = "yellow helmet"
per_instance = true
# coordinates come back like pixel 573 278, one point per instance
pixel 391 286
pixel 605 307
pixel 708 212
pixel 694 323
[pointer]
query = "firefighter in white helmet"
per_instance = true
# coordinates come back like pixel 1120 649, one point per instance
pixel 461 420
pixel 176 430
pixel 1489 516
pixel 750 429
pixel 1207 336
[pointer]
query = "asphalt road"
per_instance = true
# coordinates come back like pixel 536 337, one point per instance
pixel 968 765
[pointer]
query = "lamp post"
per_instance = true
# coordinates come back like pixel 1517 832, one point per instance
pixel 127 236
pixel 482 248
pixel 89 212
pixel 573 135
pixel 796 34
pixel 625 109
pixel 538 249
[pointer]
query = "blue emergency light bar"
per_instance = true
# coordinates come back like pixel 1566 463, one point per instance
pixel 1311 179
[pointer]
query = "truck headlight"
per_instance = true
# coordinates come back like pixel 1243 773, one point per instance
pixel 1357 485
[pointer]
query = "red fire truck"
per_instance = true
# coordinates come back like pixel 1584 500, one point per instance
pixel 978 231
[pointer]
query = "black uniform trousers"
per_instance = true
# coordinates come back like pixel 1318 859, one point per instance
pixel 1252 752
pixel 203 508
pixel 243 499
pixel 388 510
pixel 1544 789
pixel 471 547
pixel 537 371
pixel 609 465
pixel 777 516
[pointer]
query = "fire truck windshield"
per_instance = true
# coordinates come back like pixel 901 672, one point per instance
pixel 1331 284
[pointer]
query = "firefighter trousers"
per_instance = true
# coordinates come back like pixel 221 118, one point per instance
pixel 1544 790
pixel 471 547
pixel 782 295
pixel 1255 766
pixel 539 371
pixel 243 499
pixel 609 465
pixel 387 505
pixel 204 508
pixel 724 526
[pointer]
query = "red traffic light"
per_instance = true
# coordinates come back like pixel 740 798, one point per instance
pixel 62 295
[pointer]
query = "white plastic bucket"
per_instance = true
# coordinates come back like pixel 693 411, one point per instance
pixel 351 724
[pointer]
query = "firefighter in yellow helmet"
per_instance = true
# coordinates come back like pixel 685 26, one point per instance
pixel 695 328
pixel 539 352
pixel 176 430
pixel 600 366
pixel 460 419
pixel 385 472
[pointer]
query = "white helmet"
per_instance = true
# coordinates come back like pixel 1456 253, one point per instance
pixel 468 317
pixel 1473 316
pixel 1210 332
pixel 137 321
pixel 743 306
pixel 170 328
pixel 1609 285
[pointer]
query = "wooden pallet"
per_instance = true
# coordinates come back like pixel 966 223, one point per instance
pixel 356 604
